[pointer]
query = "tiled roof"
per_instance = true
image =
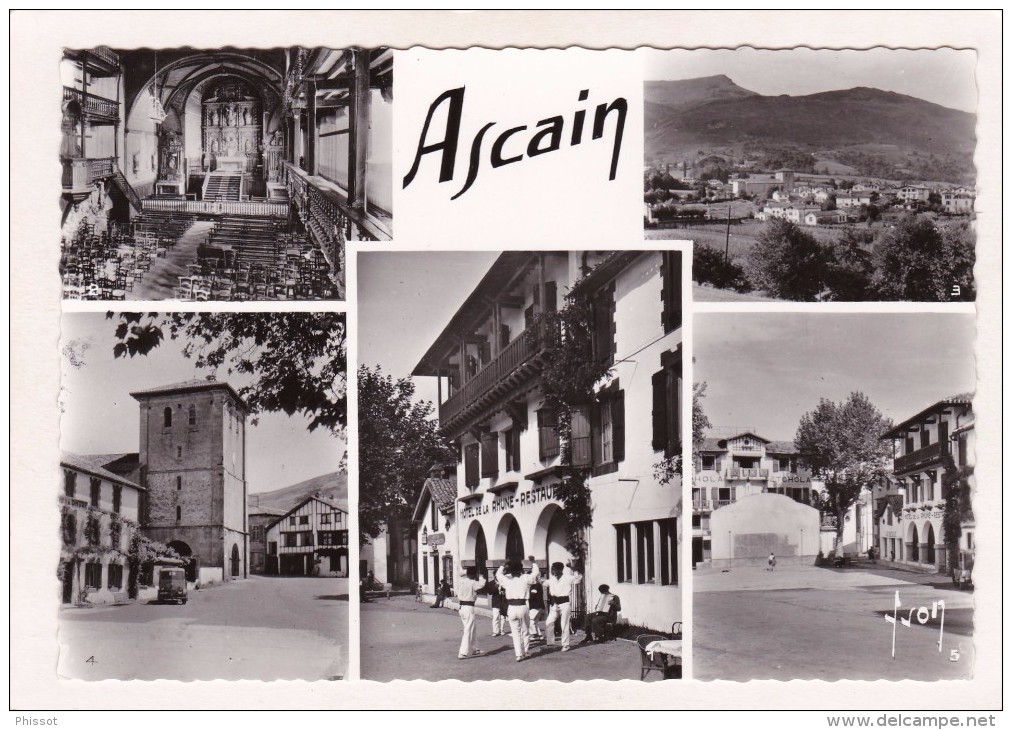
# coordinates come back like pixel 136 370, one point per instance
pixel 711 444
pixel 95 464
pixel 781 447
pixel 189 386
pixel 444 492
pixel 960 399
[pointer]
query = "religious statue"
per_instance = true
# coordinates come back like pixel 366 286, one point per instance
pixel 245 116
pixel 210 117
pixel 225 116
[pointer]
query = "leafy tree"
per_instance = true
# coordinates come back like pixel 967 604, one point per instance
pixel 787 262
pixel 296 360
pixel 709 267
pixel 398 442
pixel 840 443
pixel 934 202
pixel 852 267
pixel 916 261
pixel 829 203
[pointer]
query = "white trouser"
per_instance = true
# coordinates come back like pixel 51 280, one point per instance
pixel 468 640
pixel 498 622
pixel 533 615
pixel 518 627
pixel 560 611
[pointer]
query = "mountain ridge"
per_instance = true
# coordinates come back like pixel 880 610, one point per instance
pixel 687 121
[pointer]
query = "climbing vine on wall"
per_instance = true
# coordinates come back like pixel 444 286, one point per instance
pixel 958 507
pixel 568 377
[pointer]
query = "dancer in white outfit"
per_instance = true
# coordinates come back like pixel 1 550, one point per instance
pixel 560 585
pixel 467 592
pixel 516 585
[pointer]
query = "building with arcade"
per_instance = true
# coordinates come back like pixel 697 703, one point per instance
pixel 507 498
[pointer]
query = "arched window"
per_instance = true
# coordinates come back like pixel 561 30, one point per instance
pixel 167 416
pixel 191 415
pixel 179 483
pixel 179 513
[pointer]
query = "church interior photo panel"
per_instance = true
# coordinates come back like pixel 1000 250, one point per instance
pixel 221 174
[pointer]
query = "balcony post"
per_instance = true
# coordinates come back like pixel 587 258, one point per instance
pixel 84 104
pixel 358 128
pixel 311 128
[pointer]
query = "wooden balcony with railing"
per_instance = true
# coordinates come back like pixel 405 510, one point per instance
pixel 925 456
pixel 80 173
pixel 513 365
pixel 325 211
pixel 738 472
pixel 94 107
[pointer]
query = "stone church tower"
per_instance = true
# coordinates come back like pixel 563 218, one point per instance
pixel 193 464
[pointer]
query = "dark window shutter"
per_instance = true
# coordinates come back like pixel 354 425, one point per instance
pixel 537 295
pixel 671 290
pixel 471 478
pixel 580 432
pixel 490 455
pixel 551 296
pixel 504 335
pixel 618 426
pixel 674 444
pixel 484 353
pixel 660 412
pixel 548 434
pixel 943 433
pixel 514 438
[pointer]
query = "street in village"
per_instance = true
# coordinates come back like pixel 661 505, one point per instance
pixel 803 622
pixel 405 639
pixel 264 627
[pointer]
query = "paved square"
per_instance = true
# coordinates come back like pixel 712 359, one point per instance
pixel 405 639
pixel 802 622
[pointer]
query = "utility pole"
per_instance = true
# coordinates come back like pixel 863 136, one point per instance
pixel 727 237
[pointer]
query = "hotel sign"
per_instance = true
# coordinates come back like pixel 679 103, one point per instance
pixel 513 502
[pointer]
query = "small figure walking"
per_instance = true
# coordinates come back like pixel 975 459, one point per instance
pixel 772 560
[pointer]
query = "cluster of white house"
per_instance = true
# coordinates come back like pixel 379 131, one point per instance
pixel 752 497
pixel 800 198
pixel 502 500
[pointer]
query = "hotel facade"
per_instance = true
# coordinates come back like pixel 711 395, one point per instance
pixel 488 362
pixel 913 533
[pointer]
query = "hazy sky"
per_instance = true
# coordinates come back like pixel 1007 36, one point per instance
pixel 943 76
pixel 406 299
pixel 764 371
pixel 100 417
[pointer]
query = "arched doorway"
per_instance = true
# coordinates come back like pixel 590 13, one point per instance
pixel 509 541
pixel 915 547
pixel 552 533
pixel 477 548
pixel 514 542
pixel 182 549
pixel 234 561
pixel 929 544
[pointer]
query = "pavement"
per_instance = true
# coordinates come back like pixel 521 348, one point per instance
pixel 263 627
pixel 803 622
pixel 405 639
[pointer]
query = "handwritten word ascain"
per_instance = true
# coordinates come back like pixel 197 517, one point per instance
pixel 513 143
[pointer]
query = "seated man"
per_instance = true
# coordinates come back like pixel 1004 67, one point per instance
pixel 605 612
